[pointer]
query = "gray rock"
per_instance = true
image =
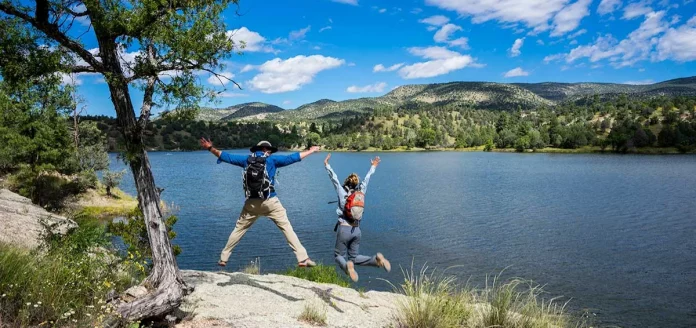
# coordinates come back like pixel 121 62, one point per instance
pixel 24 224
pixel 272 301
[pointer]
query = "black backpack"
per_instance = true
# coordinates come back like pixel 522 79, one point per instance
pixel 257 184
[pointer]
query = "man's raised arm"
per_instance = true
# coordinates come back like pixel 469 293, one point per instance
pixel 222 156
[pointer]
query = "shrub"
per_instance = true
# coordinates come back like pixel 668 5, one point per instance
pixel 320 273
pixel 46 187
pixel 134 234
pixel 65 284
pixel 254 267
pixel 112 180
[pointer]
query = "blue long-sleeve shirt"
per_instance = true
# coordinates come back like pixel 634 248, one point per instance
pixel 272 163
pixel 342 193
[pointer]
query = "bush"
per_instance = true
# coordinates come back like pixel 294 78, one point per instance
pixel 320 273
pixel 65 284
pixel 112 180
pixel 134 234
pixel 48 188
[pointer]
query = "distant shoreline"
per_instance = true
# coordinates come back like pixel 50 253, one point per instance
pixel 583 150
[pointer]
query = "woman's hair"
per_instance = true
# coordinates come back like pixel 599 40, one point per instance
pixel 352 181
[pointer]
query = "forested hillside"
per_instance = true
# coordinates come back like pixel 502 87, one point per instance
pixel 621 124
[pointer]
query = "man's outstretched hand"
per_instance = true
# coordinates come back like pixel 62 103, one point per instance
pixel 206 143
pixel 326 160
pixel 309 151
pixel 375 161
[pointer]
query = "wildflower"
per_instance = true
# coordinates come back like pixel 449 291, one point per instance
pixel 3 295
pixel 29 303
pixel 36 305
pixel 39 303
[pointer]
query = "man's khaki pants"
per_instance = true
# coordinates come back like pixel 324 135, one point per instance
pixel 274 210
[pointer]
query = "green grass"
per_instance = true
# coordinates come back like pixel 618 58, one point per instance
pixel 320 273
pixel 313 315
pixel 439 301
pixel 64 285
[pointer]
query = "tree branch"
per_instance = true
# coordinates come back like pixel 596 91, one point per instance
pixel 42 24
pixel 79 69
pixel 149 89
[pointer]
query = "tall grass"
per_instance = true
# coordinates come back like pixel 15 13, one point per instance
pixel 320 273
pixel 254 267
pixel 313 314
pixel 439 301
pixel 67 284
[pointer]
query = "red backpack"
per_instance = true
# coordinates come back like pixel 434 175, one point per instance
pixel 355 205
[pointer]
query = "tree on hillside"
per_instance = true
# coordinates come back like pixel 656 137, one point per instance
pixel 157 46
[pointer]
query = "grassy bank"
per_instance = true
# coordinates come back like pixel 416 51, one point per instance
pixel 96 203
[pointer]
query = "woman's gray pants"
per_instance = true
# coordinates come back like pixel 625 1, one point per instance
pixel 348 240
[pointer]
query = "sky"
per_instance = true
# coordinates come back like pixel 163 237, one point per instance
pixel 302 51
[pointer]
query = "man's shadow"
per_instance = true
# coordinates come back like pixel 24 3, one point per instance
pixel 247 281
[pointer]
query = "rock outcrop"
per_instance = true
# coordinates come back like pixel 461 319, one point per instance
pixel 23 224
pixel 222 299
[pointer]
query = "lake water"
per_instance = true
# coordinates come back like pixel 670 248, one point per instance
pixel 615 233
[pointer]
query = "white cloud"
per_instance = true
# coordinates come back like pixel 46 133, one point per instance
pixel 574 42
pixel 381 68
pixel 382 11
pixel 533 13
pixel 377 87
pixel 324 28
pixel 608 6
pixel 516 72
pixel 641 82
pixel 279 75
pixel 555 57
pixel 675 20
pixel 70 79
pixel 316 48
pixel 348 2
pixel 638 45
pixel 442 62
pixel 247 68
pixel 636 9
pixel 431 28
pixel 692 21
pixel 287 102
pixel 227 94
pixel 433 52
pixel 515 49
pixel 460 42
pixel 577 34
pixel 224 78
pixel 416 11
pixel 253 41
pixel 540 42
pixel 299 34
pixel 568 19
pixel 437 20
pixel 678 44
pixel 443 34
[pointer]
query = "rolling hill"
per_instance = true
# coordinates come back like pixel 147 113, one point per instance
pixel 481 95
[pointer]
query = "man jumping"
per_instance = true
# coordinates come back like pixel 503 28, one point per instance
pixel 261 199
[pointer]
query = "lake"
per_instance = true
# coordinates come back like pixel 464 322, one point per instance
pixel 616 234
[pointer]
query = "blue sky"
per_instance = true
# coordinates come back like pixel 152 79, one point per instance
pixel 299 52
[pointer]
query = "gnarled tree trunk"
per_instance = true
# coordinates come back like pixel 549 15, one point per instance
pixel 165 285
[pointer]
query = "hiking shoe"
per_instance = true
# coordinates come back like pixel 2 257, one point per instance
pixel 307 263
pixel 382 262
pixel 222 263
pixel 351 271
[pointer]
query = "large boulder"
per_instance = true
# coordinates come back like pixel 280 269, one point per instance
pixel 240 300
pixel 24 224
